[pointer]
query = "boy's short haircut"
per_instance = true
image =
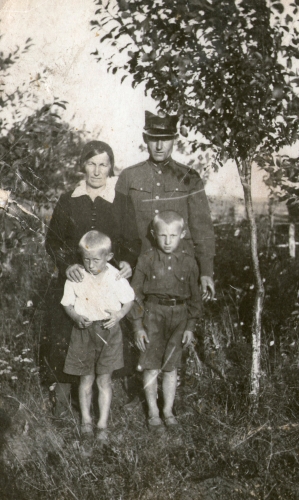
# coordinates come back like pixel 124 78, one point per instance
pixel 95 240
pixel 168 216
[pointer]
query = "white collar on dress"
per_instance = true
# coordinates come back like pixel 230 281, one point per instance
pixel 107 194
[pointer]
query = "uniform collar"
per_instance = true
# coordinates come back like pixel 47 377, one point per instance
pixel 181 250
pixel 107 194
pixel 160 165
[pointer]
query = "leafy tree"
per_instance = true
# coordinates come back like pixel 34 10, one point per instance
pixel 38 158
pixel 226 66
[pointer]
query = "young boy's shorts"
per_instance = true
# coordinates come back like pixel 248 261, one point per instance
pixel 94 350
pixel 165 328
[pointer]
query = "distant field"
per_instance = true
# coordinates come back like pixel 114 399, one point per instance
pixel 233 209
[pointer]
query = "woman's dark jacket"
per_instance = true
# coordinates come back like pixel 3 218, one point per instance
pixel 73 217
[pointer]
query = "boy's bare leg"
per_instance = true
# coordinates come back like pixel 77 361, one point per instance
pixel 150 384
pixel 169 385
pixel 105 396
pixel 85 395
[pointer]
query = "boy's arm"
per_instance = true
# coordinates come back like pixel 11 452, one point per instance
pixel 116 316
pixel 137 283
pixel 194 303
pixel 80 320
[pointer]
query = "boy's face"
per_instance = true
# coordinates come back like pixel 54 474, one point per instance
pixel 168 236
pixel 95 261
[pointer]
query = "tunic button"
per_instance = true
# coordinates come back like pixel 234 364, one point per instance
pixel 158 184
pixel 92 227
pixel 156 211
pixel 141 189
pixel 176 189
pixel 169 257
pixel 154 277
pixel 182 278
pixel 160 172
pixel 157 197
pixel 169 267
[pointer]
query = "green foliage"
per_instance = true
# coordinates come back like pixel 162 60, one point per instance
pixel 38 155
pixel 224 66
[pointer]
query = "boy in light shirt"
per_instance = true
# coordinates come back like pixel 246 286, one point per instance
pixel 96 305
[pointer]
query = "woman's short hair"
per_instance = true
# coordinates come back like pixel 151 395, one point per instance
pixel 95 240
pixel 94 148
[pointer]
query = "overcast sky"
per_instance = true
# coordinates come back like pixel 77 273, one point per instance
pixel 113 112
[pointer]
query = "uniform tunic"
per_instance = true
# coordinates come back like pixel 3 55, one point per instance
pixel 164 276
pixel 169 186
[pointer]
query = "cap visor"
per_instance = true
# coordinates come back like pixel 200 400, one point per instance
pixel 161 135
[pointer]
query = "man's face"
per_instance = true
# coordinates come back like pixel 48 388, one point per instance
pixel 95 260
pixel 168 236
pixel 159 148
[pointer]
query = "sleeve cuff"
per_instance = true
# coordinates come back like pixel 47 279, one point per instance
pixel 191 325
pixel 206 266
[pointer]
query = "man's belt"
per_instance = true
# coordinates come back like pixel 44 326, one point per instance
pixel 170 302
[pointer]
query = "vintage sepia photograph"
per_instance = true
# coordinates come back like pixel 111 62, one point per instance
pixel 149 232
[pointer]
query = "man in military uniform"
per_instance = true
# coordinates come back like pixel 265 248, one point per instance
pixel 161 183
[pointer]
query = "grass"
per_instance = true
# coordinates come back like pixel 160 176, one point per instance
pixel 221 450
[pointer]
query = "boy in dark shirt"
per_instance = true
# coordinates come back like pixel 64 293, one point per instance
pixel 165 311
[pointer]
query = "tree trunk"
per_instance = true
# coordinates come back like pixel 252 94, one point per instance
pixel 292 241
pixel 244 169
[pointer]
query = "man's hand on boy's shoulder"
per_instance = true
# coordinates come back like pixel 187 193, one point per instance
pixel 141 339
pixel 188 338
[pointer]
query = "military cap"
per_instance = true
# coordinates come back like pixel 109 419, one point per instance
pixel 161 125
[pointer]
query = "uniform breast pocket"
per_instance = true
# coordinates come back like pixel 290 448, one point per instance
pixel 182 281
pixel 176 198
pixel 142 196
pixel 156 278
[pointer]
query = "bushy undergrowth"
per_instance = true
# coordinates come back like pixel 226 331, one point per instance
pixel 220 451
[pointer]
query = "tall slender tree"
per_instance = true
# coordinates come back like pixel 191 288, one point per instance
pixel 226 67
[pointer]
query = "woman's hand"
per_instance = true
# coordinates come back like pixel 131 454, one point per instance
pixel 125 270
pixel 75 273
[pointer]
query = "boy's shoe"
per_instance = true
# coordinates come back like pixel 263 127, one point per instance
pixel 102 438
pixel 171 421
pixel 86 431
pixel 155 424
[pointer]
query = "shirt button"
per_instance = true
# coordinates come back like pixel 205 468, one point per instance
pixel 154 277
pixel 157 197
pixel 169 257
pixel 169 267
pixel 159 171
pixel 92 227
pixel 182 278
pixel 156 211
pixel 158 184
pixel 176 189
pixel 141 189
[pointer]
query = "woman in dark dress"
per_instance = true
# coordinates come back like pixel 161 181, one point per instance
pixel 89 206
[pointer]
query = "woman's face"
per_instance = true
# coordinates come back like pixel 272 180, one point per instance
pixel 97 170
